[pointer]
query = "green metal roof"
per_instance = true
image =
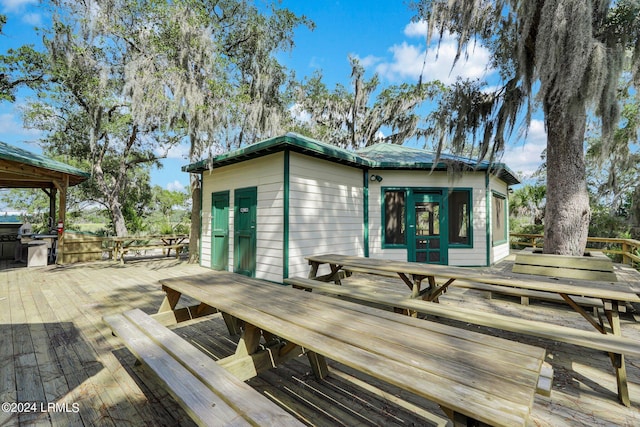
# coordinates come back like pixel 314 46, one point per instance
pixel 291 141
pixel 378 156
pixel 19 164
pixel 393 156
pixel 13 153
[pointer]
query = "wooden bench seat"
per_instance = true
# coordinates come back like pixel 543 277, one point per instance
pixel 206 391
pixel 594 340
pixel 524 294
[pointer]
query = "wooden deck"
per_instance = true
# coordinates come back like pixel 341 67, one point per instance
pixel 55 350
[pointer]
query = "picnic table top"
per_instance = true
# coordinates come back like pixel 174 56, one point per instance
pixel 150 237
pixel 487 378
pixel 617 291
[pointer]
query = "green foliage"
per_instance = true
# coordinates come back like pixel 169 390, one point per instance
pixel 526 210
pixel 348 118
pixel 528 203
pixel 574 50
pixel 32 203
pixel 566 55
pixel 170 212
pixel 22 67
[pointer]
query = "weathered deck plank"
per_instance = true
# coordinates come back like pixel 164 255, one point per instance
pixel 52 315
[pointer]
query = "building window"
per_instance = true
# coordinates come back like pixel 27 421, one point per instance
pixel 460 218
pixel 498 218
pixel 394 218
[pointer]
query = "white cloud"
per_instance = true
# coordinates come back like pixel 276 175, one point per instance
pixel 15 6
pixel 524 158
pixel 34 19
pixel 175 186
pixel 409 62
pixel 11 124
pixel 416 29
pixel 180 151
pixel 367 61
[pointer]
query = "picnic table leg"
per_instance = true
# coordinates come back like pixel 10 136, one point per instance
pixel 434 292
pixel 170 300
pixel 414 285
pixel 166 314
pixel 117 252
pixel 613 316
pixel 318 364
pixel 249 341
pixel 335 274
pixel 232 324
pixel 313 272
pixel 253 356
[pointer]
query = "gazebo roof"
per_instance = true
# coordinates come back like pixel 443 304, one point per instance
pixel 23 169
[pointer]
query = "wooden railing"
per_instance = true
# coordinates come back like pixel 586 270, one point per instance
pixel 626 251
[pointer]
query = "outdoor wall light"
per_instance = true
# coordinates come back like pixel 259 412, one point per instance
pixel 376 178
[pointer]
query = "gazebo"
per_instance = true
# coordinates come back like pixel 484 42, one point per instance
pixel 23 169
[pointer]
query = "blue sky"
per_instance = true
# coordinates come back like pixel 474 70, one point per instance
pixel 380 34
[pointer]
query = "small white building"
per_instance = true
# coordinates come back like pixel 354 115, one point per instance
pixel 268 205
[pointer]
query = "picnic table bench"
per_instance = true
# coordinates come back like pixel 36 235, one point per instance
pixel 206 391
pixel 613 297
pixel 473 377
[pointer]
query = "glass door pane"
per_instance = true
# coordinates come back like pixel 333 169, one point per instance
pixel 427 235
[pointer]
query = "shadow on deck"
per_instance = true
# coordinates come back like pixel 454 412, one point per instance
pixel 55 349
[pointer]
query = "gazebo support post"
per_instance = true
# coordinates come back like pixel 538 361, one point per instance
pixel 62 187
pixel 52 193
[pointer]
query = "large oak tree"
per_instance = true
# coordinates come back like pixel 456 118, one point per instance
pixel 566 55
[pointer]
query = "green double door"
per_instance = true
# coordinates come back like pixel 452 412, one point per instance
pixel 244 231
pixel 427 229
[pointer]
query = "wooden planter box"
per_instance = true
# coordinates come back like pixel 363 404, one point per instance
pixel 593 265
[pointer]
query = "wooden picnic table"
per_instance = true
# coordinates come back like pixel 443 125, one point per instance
pixel 172 241
pixel 473 377
pixel 124 243
pixel 614 296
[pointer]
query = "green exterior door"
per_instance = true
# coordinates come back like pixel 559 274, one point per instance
pixel 427 226
pixel 220 231
pixel 245 231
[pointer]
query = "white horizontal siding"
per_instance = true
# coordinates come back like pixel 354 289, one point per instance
pixel 477 255
pixel 501 251
pixel 326 210
pixel 267 174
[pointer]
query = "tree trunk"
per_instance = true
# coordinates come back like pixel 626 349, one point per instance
pixel 567 211
pixel 196 207
pixel 117 217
